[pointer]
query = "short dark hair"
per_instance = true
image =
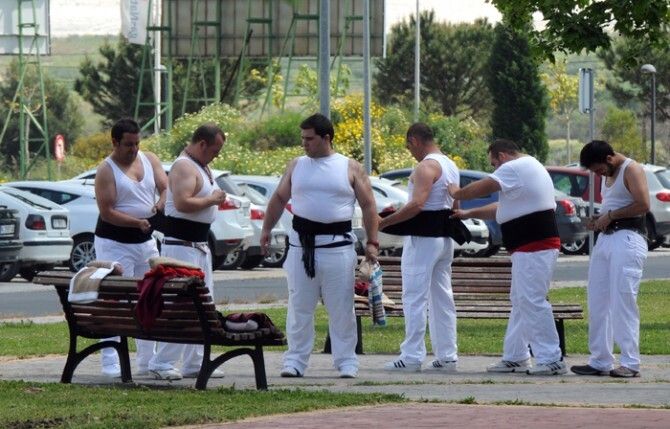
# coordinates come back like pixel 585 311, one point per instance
pixel 208 133
pixel 421 131
pixel 320 124
pixel 503 146
pixel 595 152
pixel 124 125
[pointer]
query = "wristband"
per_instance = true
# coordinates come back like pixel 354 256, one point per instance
pixel 374 243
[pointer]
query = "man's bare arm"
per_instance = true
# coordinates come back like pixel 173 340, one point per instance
pixel 480 188
pixel 105 196
pixel 277 204
pixel 485 212
pixel 183 181
pixel 425 175
pixel 160 178
pixel 365 197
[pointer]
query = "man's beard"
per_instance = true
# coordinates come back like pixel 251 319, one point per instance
pixel 611 169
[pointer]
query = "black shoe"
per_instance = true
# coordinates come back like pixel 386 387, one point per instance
pixel 587 370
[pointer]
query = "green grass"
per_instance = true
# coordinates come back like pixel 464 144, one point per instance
pixel 52 405
pixel 475 337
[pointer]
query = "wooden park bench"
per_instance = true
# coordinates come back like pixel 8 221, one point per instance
pixel 481 289
pixel 189 316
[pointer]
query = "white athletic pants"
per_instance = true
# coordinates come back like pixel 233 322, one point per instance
pixel 426 288
pixel 334 283
pixel 531 320
pixel 168 354
pixel 615 271
pixel 134 258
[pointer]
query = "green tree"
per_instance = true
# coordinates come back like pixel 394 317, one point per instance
pixel 628 84
pixel 63 115
pixel 562 89
pixel 453 59
pixel 520 101
pixel 574 25
pixel 111 84
pixel 620 129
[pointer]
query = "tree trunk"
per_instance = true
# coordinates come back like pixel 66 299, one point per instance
pixel 567 141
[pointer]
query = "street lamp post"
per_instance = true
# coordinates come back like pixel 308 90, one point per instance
pixel 650 69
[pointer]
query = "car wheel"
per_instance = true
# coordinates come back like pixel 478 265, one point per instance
pixel 83 252
pixel 251 261
pixel 576 247
pixel 276 258
pixel 28 273
pixel 8 271
pixel 233 260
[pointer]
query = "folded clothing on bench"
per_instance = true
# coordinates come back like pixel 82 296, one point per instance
pixel 150 302
pixel 85 283
pixel 247 322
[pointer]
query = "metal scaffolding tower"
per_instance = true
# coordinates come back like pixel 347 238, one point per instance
pixel 159 75
pixel 30 104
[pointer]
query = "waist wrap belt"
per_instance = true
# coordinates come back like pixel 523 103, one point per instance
pixel 122 234
pixel 528 228
pixel 636 224
pixel 308 230
pixel 185 229
pixel 432 223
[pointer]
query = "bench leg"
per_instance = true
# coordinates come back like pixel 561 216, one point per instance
pixel 560 329
pixel 327 349
pixel 259 368
pixel 208 366
pixel 124 360
pixel 74 357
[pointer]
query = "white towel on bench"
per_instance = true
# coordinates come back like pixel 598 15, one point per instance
pixel 85 283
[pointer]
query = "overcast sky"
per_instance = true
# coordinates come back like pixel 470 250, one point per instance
pixel 103 16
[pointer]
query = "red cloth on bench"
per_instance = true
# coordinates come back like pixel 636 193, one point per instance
pixel 150 302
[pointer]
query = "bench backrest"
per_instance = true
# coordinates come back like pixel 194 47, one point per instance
pixel 473 279
pixel 188 309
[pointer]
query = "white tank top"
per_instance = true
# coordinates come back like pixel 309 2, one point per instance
pixel 207 215
pixel 616 195
pixel 320 189
pixel 135 198
pixel 439 197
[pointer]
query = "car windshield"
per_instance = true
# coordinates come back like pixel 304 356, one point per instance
pixel 253 195
pixel 27 201
pixel 228 186
pixel 663 176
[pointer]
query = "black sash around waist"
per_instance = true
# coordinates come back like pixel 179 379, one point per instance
pixel 431 223
pixel 122 234
pixel 308 230
pixel 528 228
pixel 185 229
pixel 636 224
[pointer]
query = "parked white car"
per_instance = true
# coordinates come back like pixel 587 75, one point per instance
pixel 83 212
pixel 278 235
pixel 44 232
pixel 230 233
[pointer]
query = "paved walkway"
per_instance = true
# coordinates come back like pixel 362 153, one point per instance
pixel 561 395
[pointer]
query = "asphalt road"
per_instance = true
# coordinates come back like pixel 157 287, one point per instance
pixel 22 299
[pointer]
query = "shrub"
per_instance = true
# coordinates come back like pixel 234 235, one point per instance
pixel 621 130
pixel 94 147
pixel 279 130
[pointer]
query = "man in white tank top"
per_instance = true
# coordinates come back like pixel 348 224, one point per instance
pixel 323 186
pixel 526 213
pixel 126 184
pixel 190 208
pixel 617 260
pixel 426 261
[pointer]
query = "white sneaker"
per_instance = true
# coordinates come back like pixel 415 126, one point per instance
pixel 509 366
pixel 552 368
pixel 112 371
pixel 442 365
pixel 142 373
pixel 401 365
pixel 166 374
pixel 217 373
pixel 348 371
pixel 290 372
